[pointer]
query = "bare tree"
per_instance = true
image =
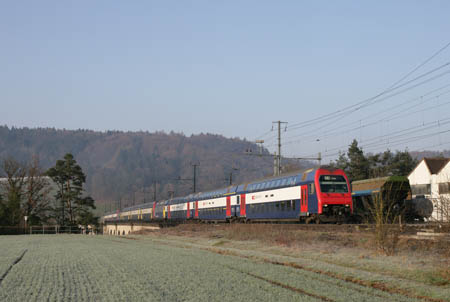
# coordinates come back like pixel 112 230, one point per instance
pixel 36 203
pixel 386 212
pixel 13 190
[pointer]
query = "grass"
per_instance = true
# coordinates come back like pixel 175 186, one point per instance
pixel 205 264
pixel 420 268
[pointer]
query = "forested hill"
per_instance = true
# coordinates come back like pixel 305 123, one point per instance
pixel 126 164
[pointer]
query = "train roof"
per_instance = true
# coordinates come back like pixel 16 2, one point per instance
pixel 374 185
pixel 265 183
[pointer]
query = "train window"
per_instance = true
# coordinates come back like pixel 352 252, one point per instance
pixel 282 205
pixel 311 188
pixel 333 184
pixel 237 199
pixel 283 182
pixel 277 184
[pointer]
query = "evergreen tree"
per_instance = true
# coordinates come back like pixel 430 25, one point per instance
pixel 342 162
pixel 402 164
pixel 69 177
pixel 358 164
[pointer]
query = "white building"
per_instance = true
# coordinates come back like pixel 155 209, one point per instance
pixel 431 178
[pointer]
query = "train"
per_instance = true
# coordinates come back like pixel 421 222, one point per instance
pixel 314 195
pixel 396 194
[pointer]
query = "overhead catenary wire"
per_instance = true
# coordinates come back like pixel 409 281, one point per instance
pixel 351 109
pixel 397 115
pixel 323 123
pixel 312 133
pixel 391 136
pixel 393 86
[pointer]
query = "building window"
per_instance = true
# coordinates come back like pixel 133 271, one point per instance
pixel 421 189
pixel 444 188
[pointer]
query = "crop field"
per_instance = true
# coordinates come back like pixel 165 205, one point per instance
pixel 171 268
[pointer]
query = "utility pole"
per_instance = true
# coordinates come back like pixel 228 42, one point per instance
pixel 279 145
pixel 63 218
pixel 318 158
pixel 193 179
pixel 154 191
pixel 195 176
pixel 231 175
pixel 275 158
pixel 260 142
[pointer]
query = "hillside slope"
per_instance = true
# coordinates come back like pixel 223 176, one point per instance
pixel 125 165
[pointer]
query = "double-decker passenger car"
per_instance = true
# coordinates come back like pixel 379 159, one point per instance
pixel 321 194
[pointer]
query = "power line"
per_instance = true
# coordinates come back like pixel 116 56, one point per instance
pixel 404 112
pixel 392 87
pixel 422 64
pixel 398 87
pixel 356 107
pixel 400 134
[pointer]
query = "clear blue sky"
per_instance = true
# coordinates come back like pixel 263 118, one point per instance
pixel 226 67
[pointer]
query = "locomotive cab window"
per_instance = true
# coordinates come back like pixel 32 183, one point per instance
pixel 333 184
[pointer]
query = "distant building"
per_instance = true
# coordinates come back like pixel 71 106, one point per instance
pixel 431 178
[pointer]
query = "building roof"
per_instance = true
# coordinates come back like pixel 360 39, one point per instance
pixel 435 165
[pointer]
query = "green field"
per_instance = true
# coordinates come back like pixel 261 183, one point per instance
pixel 146 268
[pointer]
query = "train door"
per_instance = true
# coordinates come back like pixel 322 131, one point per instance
pixel 188 215
pixel 304 199
pixel 228 206
pixel 196 209
pixel 243 212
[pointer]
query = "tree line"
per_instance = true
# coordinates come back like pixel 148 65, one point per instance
pixel 358 165
pixel 55 196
